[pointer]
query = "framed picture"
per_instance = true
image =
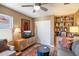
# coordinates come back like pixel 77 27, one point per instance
pixel 6 22
pixel 25 25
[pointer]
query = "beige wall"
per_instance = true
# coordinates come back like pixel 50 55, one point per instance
pixel 16 17
pixel 52 26
pixel 77 18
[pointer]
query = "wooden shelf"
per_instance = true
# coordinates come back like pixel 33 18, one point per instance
pixel 62 23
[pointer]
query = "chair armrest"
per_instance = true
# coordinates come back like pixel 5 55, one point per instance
pixel 11 47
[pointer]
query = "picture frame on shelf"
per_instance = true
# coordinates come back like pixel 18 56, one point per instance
pixel 57 24
pixel 63 34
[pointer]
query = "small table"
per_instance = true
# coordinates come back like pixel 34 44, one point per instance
pixel 43 51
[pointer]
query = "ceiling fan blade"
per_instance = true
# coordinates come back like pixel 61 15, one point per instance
pixel 44 3
pixel 40 4
pixel 27 5
pixel 43 8
pixel 66 3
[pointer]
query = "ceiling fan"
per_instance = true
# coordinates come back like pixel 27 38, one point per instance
pixel 37 6
pixel 66 3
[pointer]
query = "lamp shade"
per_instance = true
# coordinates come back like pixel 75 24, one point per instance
pixel 17 30
pixel 74 29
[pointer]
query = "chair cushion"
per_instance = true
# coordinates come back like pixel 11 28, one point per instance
pixel 76 51
pixel 3 45
pixel 75 43
pixel 8 53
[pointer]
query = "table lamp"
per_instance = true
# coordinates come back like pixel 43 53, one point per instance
pixel 75 31
pixel 17 33
pixel 17 30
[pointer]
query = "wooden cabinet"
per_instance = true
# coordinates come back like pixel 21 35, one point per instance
pixel 22 43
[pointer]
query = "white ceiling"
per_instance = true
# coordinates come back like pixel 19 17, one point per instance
pixel 53 9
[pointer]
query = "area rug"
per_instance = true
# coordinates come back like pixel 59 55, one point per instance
pixel 31 51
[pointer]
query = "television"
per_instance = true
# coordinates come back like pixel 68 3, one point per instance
pixel 27 34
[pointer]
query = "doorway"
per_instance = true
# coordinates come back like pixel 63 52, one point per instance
pixel 43 32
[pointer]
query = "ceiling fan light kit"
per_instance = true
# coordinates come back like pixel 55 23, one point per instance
pixel 36 7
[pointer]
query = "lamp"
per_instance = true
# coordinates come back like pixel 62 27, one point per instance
pixel 17 30
pixel 74 29
pixel 36 7
pixel 17 33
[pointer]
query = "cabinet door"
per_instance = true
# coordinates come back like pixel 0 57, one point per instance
pixel 23 45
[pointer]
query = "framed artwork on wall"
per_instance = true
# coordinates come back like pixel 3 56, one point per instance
pixel 25 25
pixel 6 22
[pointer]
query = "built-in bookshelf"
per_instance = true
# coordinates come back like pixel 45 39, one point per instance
pixel 62 23
pixel 61 26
